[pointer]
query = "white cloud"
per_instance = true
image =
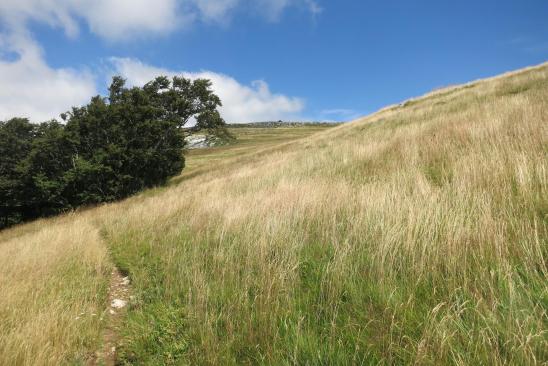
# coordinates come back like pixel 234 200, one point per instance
pixel 121 19
pixel 117 20
pixel 273 9
pixel 110 19
pixel 216 10
pixel 241 103
pixel 30 88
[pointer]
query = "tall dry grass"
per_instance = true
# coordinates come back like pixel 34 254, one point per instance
pixel 416 235
pixel 53 278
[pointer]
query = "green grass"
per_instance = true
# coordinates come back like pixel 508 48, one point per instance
pixel 309 284
pixel 417 235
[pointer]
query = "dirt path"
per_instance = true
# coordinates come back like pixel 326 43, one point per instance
pixel 118 298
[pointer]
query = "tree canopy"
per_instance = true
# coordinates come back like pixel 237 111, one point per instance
pixel 108 149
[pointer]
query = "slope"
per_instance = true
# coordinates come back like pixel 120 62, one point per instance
pixel 415 235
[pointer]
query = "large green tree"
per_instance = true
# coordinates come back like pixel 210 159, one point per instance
pixel 132 139
pixel 108 149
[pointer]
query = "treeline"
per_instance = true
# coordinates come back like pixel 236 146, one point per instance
pixel 107 150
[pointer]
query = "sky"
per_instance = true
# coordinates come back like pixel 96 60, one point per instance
pixel 317 60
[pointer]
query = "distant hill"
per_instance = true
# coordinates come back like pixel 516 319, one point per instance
pixel 274 124
pixel 202 139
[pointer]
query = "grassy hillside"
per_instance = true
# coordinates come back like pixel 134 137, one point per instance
pixel 418 234
pixel 248 140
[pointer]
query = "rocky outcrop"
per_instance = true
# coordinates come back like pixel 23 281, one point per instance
pixel 200 141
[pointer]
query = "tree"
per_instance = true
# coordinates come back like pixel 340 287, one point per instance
pixel 107 150
pixel 51 156
pixel 134 137
pixel 16 137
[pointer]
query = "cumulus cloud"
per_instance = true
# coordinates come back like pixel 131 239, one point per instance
pixel 30 88
pixel 241 103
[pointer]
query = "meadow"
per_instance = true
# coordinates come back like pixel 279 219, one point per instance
pixel 415 235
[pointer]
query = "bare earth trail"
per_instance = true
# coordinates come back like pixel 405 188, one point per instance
pixel 118 299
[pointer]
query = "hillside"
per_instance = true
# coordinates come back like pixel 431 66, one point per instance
pixel 418 234
pixel 257 134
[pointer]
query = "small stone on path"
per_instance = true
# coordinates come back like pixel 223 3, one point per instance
pixel 118 303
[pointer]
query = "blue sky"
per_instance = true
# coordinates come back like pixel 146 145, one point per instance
pixel 268 59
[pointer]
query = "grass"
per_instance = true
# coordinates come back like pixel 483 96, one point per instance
pixel 418 234
pixel 53 285
pixel 54 273
pixel 249 140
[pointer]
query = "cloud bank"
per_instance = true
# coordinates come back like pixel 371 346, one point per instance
pixel 241 103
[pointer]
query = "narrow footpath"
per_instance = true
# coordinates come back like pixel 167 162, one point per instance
pixel 118 298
